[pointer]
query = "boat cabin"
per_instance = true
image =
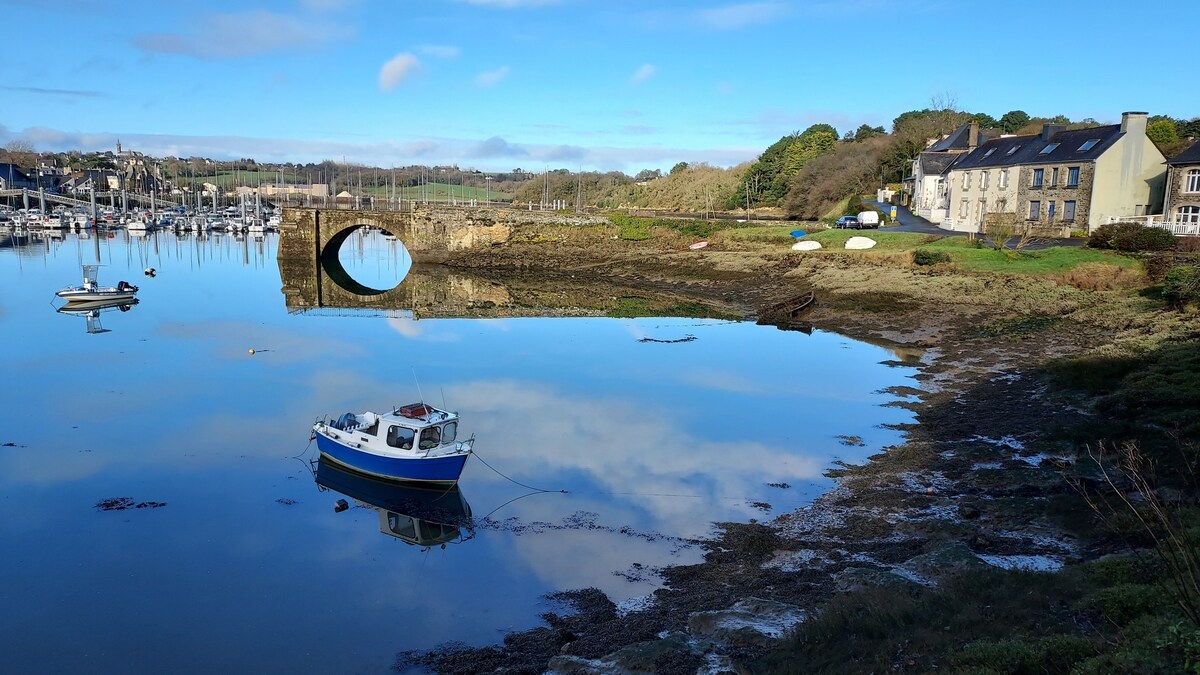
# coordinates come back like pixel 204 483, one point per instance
pixel 417 424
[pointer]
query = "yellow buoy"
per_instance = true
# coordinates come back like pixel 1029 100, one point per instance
pixel 252 352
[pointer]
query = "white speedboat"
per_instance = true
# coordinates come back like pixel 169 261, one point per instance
pixel 91 291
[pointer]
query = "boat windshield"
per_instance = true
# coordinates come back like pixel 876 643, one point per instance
pixel 449 432
pixel 400 437
pixel 431 437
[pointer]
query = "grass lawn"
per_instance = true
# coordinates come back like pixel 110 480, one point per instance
pixel 964 254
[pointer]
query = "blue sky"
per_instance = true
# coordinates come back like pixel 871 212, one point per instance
pixel 610 85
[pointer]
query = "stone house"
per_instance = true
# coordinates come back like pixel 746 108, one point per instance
pixel 1070 180
pixel 1183 188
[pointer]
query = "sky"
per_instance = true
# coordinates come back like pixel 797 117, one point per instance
pixel 580 84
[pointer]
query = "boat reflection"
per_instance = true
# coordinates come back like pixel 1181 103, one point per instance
pixel 421 516
pixel 90 311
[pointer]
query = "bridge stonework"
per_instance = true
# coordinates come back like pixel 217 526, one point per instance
pixel 429 234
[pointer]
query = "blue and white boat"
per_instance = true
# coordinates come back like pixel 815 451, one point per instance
pixel 413 443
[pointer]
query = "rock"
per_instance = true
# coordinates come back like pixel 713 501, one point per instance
pixel 807 245
pixel 855 578
pixel 641 657
pixel 950 559
pixel 968 511
pixel 752 621
pixel 859 243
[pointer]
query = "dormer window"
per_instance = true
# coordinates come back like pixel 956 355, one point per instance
pixel 1048 149
pixel 1088 145
pixel 1013 149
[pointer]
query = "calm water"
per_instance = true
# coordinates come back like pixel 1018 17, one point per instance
pixel 248 567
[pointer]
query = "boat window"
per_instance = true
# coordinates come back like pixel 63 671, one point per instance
pixel 402 525
pixel 400 437
pixel 430 437
pixel 449 432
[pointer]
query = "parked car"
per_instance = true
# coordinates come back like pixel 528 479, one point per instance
pixel 868 219
pixel 848 223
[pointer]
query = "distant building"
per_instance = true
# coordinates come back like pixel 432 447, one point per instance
pixel 1078 179
pixel 13 177
pixel 280 189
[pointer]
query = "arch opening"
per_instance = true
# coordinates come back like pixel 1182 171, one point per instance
pixel 366 260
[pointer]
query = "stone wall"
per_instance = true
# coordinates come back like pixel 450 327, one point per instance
pixel 1057 193
pixel 428 232
pixel 1176 190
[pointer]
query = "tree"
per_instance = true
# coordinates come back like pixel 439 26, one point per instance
pixel 867 131
pixel 1162 132
pixel 682 166
pixel 1010 233
pixel 984 120
pixel 1013 120
pixel 647 174
pixel 769 177
pixel 20 153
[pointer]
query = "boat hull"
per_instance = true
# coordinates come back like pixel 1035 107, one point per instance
pixel 444 469
pixel 81 296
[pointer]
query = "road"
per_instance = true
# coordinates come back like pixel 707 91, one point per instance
pixel 908 222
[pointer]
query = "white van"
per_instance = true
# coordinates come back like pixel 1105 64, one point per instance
pixel 868 219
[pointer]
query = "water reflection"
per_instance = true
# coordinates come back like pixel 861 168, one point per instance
pixel 420 516
pixel 90 311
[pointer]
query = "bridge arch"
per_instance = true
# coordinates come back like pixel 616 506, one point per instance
pixel 331 263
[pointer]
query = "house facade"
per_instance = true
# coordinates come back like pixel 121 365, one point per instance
pixel 1066 179
pixel 929 169
pixel 1183 189
pixel 13 177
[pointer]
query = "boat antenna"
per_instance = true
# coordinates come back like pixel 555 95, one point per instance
pixel 418 383
pixel 443 390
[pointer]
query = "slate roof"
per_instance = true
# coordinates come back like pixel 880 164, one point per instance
pixel 1018 150
pixel 935 163
pixel 1189 156
pixel 959 139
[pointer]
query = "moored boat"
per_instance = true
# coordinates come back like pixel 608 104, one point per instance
pixel 413 443
pixel 91 291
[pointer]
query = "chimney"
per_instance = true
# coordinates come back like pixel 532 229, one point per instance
pixel 1134 123
pixel 1049 130
pixel 973 136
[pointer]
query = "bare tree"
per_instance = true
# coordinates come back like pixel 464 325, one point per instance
pixel 1012 234
pixel 21 153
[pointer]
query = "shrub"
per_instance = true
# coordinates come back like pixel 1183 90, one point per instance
pixel 924 256
pixel 1188 245
pixel 1131 237
pixel 1182 286
pixel 1158 264
pixel 1101 277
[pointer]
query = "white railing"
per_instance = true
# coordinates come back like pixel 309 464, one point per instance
pixel 1179 228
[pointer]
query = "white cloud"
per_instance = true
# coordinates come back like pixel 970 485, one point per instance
pixel 385 151
pixel 394 71
pixel 439 51
pixel 491 78
pixel 241 34
pixel 740 15
pixel 642 74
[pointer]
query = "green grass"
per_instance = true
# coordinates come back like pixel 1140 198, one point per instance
pixel 966 256
pixel 442 192
pixel 637 228
pixel 226 179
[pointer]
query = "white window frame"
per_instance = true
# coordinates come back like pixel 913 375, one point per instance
pixel 983 180
pixel 1038 178
pixel 1188 214
pixel 1003 178
pixel 1072 170
pixel 963 208
pixel 1192 181
pixel 966 180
